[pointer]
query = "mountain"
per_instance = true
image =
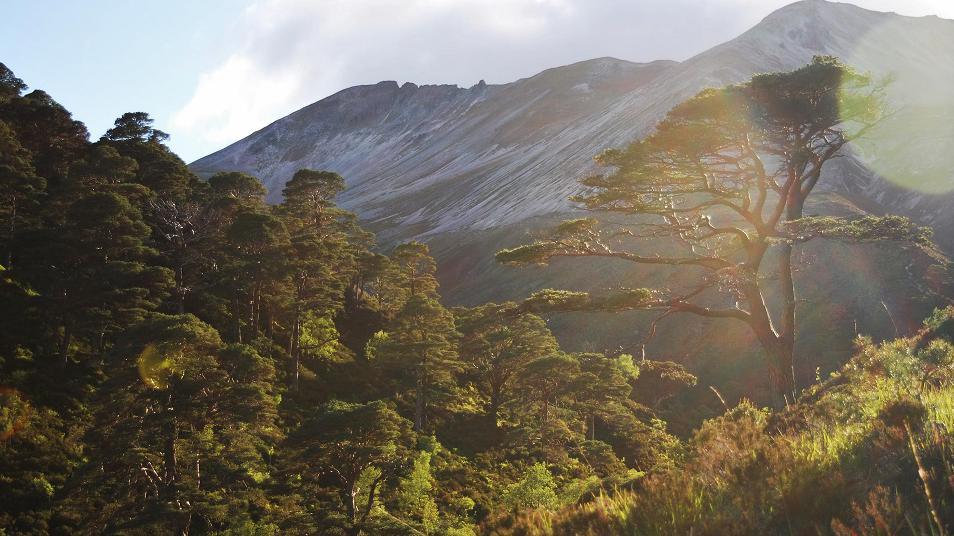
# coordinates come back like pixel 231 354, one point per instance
pixel 472 170
pixel 432 159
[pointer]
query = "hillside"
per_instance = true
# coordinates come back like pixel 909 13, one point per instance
pixel 844 460
pixel 471 171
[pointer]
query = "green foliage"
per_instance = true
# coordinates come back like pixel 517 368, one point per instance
pixel 421 353
pixel 309 194
pixel 659 381
pixel 556 300
pixel 414 496
pixel 347 446
pixel 550 301
pixel 38 451
pixel 497 342
pixel 535 253
pixel 320 338
pixel 859 229
pixel 536 489
pixel 804 469
pixel 10 85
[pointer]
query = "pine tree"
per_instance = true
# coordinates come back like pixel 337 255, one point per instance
pixel 183 423
pixel 727 173
pixel 258 245
pixel 93 273
pixel 353 449
pixel 410 273
pixel 544 410
pixel 159 169
pixel 420 347
pixel 48 131
pixel 20 187
pixel 497 342
pixel 321 258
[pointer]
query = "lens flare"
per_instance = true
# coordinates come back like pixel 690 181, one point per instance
pixel 155 367
pixel 913 146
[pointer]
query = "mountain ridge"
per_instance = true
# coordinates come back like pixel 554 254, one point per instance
pixel 438 158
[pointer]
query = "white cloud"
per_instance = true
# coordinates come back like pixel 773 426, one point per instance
pixel 235 98
pixel 290 53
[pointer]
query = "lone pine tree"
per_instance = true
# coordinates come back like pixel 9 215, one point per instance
pixel 725 178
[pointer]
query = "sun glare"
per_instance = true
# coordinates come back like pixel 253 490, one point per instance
pixel 912 146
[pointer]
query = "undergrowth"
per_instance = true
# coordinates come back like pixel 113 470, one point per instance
pixel 867 451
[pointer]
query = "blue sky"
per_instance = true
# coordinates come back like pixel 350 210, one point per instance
pixel 103 58
pixel 213 71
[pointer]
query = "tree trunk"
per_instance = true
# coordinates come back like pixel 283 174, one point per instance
pixel 169 461
pixel 237 319
pixel 784 367
pixel 267 320
pixel 493 411
pixel 782 372
pixel 101 344
pixel 257 312
pixel 294 348
pixel 297 377
pixel 65 342
pixel 252 322
pixel 785 355
pixel 180 289
pixel 419 401
pixel 349 499
pixel 12 231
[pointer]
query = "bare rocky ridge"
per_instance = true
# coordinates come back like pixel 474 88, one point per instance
pixel 433 159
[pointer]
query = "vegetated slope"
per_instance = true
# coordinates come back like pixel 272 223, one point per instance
pixel 845 459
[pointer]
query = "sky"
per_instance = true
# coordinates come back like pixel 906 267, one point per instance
pixel 213 71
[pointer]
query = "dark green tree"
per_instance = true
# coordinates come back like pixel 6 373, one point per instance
pixel 233 192
pixel 48 131
pixel 545 412
pixel 309 196
pixel 496 342
pixel 182 427
pixel 159 169
pixel 353 449
pixel 39 449
pixel 93 274
pixel 185 234
pixel 321 259
pixel 420 348
pixel 410 273
pixel 10 85
pixel 258 243
pixel 20 187
pixel 604 388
